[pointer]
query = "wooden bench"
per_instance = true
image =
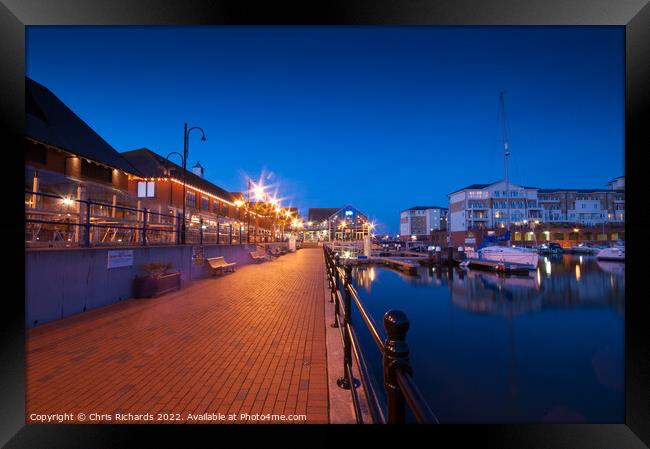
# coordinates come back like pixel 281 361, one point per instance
pixel 275 252
pixel 258 255
pixel 220 264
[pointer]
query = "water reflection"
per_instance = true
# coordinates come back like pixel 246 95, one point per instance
pixel 547 346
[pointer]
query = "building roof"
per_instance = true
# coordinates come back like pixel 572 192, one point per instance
pixel 152 165
pixel 483 186
pixel 424 208
pixel 321 213
pixel 50 121
pixel 577 190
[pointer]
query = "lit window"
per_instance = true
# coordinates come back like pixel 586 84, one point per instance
pixel 146 189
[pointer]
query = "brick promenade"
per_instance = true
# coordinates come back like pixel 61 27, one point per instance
pixel 249 342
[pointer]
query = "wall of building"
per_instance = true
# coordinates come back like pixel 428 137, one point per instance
pixel 60 283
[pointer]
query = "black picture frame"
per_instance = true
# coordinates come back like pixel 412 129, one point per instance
pixel 633 15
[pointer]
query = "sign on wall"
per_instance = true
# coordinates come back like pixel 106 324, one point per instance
pixel 120 258
pixel 197 255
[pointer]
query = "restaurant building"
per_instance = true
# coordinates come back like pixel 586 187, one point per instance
pixel 328 224
pixel 68 164
pixel 212 213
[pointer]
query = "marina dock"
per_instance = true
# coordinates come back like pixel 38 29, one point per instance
pixel 503 267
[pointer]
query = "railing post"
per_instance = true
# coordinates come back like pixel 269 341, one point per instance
pixel 144 226
pixel 396 354
pixel 178 229
pixel 345 381
pixel 201 231
pixel 337 285
pixel 87 224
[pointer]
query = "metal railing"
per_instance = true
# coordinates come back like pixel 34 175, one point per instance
pixel 52 220
pixel 400 387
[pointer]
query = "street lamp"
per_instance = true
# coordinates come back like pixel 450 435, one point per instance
pixel 186 135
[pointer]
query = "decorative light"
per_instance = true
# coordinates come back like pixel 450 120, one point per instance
pixel 67 201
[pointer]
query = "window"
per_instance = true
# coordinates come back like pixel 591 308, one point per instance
pixel 95 171
pixel 602 236
pixel 205 203
pixel 558 236
pixel 146 189
pixel 573 236
pixel 190 199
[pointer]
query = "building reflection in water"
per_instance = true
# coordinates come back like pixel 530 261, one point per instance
pixel 509 339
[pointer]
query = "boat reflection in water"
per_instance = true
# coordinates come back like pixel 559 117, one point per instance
pixel 543 347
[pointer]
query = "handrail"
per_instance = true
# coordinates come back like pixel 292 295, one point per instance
pixel 400 386
pixel 147 229
pixel 414 399
pixel 371 326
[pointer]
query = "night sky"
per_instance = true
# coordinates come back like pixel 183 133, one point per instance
pixel 382 118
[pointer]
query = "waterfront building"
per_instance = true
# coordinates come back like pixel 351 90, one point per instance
pixel 67 162
pixel 327 224
pixel 484 206
pixel 422 221
pixel 566 216
pixel 221 214
pixel 584 206
pixel 316 229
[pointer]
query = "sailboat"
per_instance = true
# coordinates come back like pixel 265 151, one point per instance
pixel 508 254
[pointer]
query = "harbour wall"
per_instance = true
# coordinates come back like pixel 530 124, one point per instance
pixel 64 282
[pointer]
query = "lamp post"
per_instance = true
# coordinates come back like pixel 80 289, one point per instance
pixel 186 136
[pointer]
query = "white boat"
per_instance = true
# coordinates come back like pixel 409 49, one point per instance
pixel 613 253
pixel 583 249
pixel 523 256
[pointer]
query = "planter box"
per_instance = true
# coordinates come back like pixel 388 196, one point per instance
pixel 149 287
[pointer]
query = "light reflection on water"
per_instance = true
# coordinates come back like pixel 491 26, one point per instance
pixel 485 348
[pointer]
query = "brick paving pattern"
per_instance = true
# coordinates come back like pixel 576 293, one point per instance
pixel 249 342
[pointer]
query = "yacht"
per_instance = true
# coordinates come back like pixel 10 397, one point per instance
pixel 614 253
pixel 523 256
pixel 508 254
pixel 583 249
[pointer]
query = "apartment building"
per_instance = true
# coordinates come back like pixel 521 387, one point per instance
pixel 422 221
pixel 584 206
pixel 481 209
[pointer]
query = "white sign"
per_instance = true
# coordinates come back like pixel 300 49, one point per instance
pixel 120 258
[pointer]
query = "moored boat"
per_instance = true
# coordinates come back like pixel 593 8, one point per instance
pixel 522 256
pixel 584 249
pixel 615 253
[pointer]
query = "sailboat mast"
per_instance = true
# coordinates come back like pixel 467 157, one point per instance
pixel 506 153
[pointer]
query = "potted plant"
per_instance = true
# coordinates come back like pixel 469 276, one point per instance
pixel 157 281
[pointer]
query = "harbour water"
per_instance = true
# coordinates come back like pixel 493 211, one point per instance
pixel 547 347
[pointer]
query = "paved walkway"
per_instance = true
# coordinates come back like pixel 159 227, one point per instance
pixel 249 342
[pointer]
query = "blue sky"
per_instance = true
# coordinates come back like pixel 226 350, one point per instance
pixel 382 118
